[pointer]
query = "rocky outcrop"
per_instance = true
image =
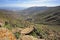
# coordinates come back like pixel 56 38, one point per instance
pixel 28 37
pixel 1 23
pixel 27 30
pixel 17 30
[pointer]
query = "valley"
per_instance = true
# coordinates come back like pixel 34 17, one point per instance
pixel 34 23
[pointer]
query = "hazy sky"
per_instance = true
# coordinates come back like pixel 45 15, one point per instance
pixel 28 3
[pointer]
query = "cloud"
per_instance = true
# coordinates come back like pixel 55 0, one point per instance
pixel 40 0
pixel 27 0
pixel 26 5
pixel 29 3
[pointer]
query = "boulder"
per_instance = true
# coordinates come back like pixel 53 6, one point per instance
pixel 27 30
pixel 14 30
pixel 28 37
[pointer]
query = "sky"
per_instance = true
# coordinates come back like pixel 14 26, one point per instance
pixel 28 3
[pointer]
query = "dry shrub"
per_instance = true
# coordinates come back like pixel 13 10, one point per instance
pixel 6 34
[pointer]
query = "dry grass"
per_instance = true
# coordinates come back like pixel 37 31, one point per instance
pixel 6 34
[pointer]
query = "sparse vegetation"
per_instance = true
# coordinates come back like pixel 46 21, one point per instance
pixel 45 25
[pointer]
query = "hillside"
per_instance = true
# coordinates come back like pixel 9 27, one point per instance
pixel 33 26
pixel 33 10
pixel 50 16
pixel 12 8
